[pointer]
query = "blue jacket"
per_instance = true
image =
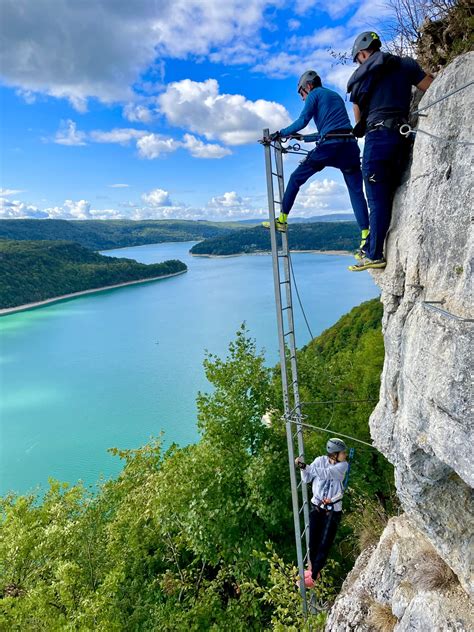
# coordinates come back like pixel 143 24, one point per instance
pixel 327 110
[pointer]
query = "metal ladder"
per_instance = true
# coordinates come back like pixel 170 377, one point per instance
pixel 289 371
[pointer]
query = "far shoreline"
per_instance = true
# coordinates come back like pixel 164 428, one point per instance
pixel 65 297
pixel 268 252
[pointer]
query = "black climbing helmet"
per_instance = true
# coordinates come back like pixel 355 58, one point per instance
pixel 307 77
pixel 367 39
pixel 335 445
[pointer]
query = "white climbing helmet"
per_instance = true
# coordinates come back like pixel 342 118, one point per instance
pixel 335 445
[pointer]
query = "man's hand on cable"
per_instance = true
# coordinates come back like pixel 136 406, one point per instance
pixel 300 463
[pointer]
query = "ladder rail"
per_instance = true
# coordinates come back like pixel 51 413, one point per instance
pixel 292 338
pixel 289 414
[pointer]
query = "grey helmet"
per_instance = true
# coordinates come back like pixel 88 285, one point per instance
pixel 367 39
pixel 335 445
pixel 307 77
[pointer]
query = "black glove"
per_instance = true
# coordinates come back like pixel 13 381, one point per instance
pixel 301 464
pixel 275 136
pixel 359 129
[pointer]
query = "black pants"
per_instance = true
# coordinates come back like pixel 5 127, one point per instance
pixel 322 531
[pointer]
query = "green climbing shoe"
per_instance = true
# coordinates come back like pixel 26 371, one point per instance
pixel 368 264
pixel 281 227
pixel 359 254
pixel 363 238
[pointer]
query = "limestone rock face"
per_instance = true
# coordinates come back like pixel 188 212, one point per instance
pixel 387 576
pixel 423 422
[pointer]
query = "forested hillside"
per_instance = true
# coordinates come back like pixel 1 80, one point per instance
pixel 32 271
pixel 108 234
pixel 201 537
pixel 312 236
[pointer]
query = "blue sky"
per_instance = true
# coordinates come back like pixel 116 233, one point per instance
pixel 152 108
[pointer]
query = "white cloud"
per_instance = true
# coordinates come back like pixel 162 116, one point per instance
pixel 154 145
pixel 68 134
pixel 339 76
pixel 118 186
pixel 199 149
pixel 368 12
pixel 122 136
pixel 230 199
pixel 100 49
pixel 157 197
pixel 14 209
pixel 293 24
pixel 231 118
pixel 138 113
pixel 148 144
pixel 322 196
pixel 5 192
pixel 156 204
pixel 71 210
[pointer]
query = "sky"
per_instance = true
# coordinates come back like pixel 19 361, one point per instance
pixel 152 109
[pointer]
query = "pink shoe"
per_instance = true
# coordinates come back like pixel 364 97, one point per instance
pixel 308 580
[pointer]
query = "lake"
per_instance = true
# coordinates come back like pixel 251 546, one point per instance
pixel 117 367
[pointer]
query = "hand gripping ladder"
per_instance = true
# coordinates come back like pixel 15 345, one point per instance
pixel 289 370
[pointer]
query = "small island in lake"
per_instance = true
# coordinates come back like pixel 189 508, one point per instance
pixel 35 271
pixel 320 236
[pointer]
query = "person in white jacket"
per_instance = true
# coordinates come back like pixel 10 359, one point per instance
pixel 327 474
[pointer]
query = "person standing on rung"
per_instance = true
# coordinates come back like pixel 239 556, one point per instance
pixel 327 474
pixel 381 91
pixel 329 113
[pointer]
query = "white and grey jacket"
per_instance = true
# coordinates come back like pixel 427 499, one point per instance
pixel 327 480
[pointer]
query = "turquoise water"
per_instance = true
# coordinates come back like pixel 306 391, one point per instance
pixel 114 368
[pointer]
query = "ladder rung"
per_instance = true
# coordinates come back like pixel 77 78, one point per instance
pixel 283 282
pixel 303 533
pixel 302 507
pixel 285 308
pixel 281 256
pixel 288 333
pixel 276 202
pixel 278 175
pixel 299 484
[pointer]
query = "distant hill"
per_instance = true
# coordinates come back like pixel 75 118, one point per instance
pixel 108 234
pixel 312 236
pixel 32 271
pixel 334 217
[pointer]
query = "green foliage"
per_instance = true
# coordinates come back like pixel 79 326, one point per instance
pixel 32 271
pixel 108 234
pixel 285 602
pixel 197 537
pixel 311 236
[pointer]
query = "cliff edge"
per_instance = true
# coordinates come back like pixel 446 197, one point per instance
pixel 423 421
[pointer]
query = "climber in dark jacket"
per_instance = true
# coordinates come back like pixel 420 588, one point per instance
pixel 380 90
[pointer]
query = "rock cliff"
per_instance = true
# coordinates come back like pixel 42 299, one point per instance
pixel 423 421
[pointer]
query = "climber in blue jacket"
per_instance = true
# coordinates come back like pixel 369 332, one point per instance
pixel 328 111
pixel 381 90
pixel 327 474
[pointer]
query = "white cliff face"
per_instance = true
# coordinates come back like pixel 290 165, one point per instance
pixel 424 422
pixel 391 576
